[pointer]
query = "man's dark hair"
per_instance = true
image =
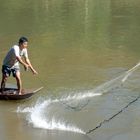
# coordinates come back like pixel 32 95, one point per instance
pixel 22 40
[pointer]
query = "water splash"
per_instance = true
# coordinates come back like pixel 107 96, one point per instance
pixel 129 72
pixel 39 119
pixel 116 82
pixel 80 96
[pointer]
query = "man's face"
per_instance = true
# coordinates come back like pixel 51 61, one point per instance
pixel 24 45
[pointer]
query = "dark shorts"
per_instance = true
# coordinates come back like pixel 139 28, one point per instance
pixel 7 71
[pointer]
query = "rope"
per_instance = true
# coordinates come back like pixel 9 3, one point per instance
pixel 109 119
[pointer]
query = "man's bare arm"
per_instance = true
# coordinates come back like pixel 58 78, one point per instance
pixel 30 66
pixel 26 65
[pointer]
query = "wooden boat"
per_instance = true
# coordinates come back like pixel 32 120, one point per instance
pixel 11 93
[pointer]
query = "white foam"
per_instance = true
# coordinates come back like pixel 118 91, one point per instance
pixel 129 72
pixel 38 119
pixel 38 114
pixel 80 96
pixel 126 77
pixel 24 110
pixel 54 124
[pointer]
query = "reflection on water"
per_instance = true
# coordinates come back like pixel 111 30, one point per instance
pixel 76 45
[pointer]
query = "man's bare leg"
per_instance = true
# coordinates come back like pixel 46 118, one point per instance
pixel 19 83
pixel 3 82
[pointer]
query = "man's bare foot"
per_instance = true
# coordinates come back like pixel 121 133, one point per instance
pixel 20 93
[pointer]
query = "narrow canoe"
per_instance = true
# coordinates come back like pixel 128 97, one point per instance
pixel 11 93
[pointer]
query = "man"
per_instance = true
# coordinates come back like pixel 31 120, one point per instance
pixel 11 63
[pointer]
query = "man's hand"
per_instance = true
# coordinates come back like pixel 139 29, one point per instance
pixel 34 71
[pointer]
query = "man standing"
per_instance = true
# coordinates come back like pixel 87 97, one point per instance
pixel 11 63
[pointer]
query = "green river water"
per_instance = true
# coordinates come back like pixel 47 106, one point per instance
pixel 76 46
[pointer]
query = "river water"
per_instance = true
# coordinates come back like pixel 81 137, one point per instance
pixel 82 50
